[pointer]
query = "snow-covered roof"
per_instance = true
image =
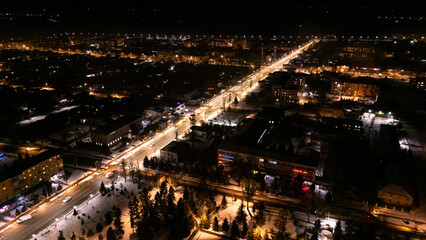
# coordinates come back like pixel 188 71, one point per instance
pixel 395 189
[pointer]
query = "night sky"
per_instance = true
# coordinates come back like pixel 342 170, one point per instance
pixel 224 17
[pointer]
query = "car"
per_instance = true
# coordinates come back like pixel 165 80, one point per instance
pixel 108 175
pixel 66 199
pixel 152 145
pixel 24 218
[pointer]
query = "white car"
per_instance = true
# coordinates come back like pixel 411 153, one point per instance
pixel 66 199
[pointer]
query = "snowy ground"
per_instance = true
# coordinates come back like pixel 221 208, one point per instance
pixel 96 207
pixel 272 214
pixel 205 236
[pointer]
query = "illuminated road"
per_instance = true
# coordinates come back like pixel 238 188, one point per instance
pixel 47 214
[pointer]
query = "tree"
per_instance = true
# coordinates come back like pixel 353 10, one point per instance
pixel 123 168
pixel 235 101
pixel 235 231
pixel 99 227
pixel 73 237
pixel 253 234
pixel 225 225
pixel 118 224
pixel 133 213
pixel 298 185
pixel 146 162
pixel 185 194
pixel 244 230
pixel 100 237
pixel 314 236
pixel 144 230
pixel 61 236
pixel 224 204
pixel 102 189
pixel 279 224
pixel 205 223
pixel 260 215
pixel 215 224
pixel 241 215
pixel 338 232
pixel 266 236
pixel 111 234
pixel 163 189
pixel 171 200
pixel 317 226
pixel 108 218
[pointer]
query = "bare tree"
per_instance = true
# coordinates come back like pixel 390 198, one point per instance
pixel 123 168
pixel 132 169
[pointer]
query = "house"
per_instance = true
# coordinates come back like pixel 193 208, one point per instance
pixel 396 195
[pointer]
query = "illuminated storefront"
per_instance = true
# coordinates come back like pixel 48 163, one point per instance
pixel 272 164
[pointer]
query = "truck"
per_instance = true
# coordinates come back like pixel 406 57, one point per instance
pixel 24 218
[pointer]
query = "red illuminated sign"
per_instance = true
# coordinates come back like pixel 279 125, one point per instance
pixel 300 171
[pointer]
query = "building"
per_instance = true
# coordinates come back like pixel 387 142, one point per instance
pixel 271 115
pixel 268 162
pixel 200 131
pixel 342 125
pixel 359 89
pixel 395 195
pixel 286 87
pixel 114 131
pixel 284 94
pixel 174 152
pixel 24 174
pixel 296 80
pixel 420 83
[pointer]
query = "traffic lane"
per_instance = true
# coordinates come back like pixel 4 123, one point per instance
pixel 46 215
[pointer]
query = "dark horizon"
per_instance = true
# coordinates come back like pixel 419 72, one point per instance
pixel 20 18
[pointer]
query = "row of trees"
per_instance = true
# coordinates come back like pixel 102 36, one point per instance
pixel 161 214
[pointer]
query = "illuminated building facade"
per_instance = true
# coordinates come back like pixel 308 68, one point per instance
pixel 269 163
pixel 113 132
pixel 343 125
pixel 355 90
pixel 28 173
pixel 395 195
pixel 285 94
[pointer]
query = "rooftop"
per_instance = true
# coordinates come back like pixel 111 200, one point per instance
pixel 116 124
pixel 304 160
pixel 18 166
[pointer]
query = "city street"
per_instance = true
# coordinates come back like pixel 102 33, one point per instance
pixel 47 213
